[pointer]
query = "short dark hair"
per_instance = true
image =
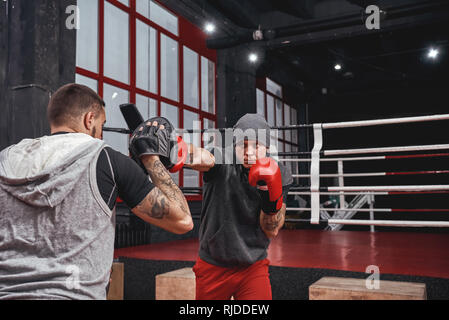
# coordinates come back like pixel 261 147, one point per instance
pixel 72 101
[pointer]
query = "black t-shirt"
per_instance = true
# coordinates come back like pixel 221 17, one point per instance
pixel 126 180
pixel 119 176
pixel 230 231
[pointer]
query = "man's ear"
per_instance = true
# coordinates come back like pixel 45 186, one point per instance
pixel 89 120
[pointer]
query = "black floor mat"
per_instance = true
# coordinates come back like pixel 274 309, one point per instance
pixel 287 283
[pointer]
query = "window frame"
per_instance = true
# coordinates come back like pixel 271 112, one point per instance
pixel 261 84
pixel 189 36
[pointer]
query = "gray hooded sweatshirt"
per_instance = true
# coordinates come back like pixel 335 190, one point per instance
pixel 230 233
pixel 56 232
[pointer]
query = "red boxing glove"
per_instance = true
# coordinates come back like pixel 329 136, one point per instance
pixel 181 156
pixel 266 172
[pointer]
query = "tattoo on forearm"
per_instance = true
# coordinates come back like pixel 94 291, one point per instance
pixel 156 205
pixel 158 170
pixel 160 208
pixel 164 181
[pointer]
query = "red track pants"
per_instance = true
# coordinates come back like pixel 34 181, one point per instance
pixel 218 283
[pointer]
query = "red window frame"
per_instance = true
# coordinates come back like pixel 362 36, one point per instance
pixel 189 36
pixel 261 84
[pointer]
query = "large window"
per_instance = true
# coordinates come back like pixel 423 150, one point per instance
pixel 278 112
pixel 272 105
pixel 139 51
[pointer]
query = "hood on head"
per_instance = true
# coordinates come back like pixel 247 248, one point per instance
pixel 252 127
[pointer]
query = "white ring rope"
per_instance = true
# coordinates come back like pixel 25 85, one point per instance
pixel 386 150
pixel 381 210
pixel 368 123
pixel 372 174
pixel 392 223
pixel 390 188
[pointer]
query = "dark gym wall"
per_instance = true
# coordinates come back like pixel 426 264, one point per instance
pixel 38 55
pixel 397 100
pixel 236 86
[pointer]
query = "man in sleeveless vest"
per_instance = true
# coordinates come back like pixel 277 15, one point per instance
pixel 57 202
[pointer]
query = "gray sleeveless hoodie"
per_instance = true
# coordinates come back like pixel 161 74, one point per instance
pixel 56 232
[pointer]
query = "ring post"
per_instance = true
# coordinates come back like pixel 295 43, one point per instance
pixel 371 213
pixel 341 183
pixel 315 174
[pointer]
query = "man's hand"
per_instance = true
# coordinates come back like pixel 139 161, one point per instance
pixel 271 224
pixel 156 137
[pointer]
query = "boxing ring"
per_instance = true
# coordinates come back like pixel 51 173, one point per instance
pixel 422 256
pixel 318 154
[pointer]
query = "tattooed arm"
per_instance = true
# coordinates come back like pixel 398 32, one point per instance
pixel 272 224
pixel 165 206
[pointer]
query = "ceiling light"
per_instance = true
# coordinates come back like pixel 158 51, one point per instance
pixel 209 28
pixel 253 57
pixel 433 53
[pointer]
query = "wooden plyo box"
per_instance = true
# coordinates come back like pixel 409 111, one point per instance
pixel 176 285
pixel 116 287
pixel 330 288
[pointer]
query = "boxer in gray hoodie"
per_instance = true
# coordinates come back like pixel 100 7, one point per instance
pixel 236 227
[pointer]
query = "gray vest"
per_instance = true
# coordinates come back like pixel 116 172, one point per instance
pixel 56 232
